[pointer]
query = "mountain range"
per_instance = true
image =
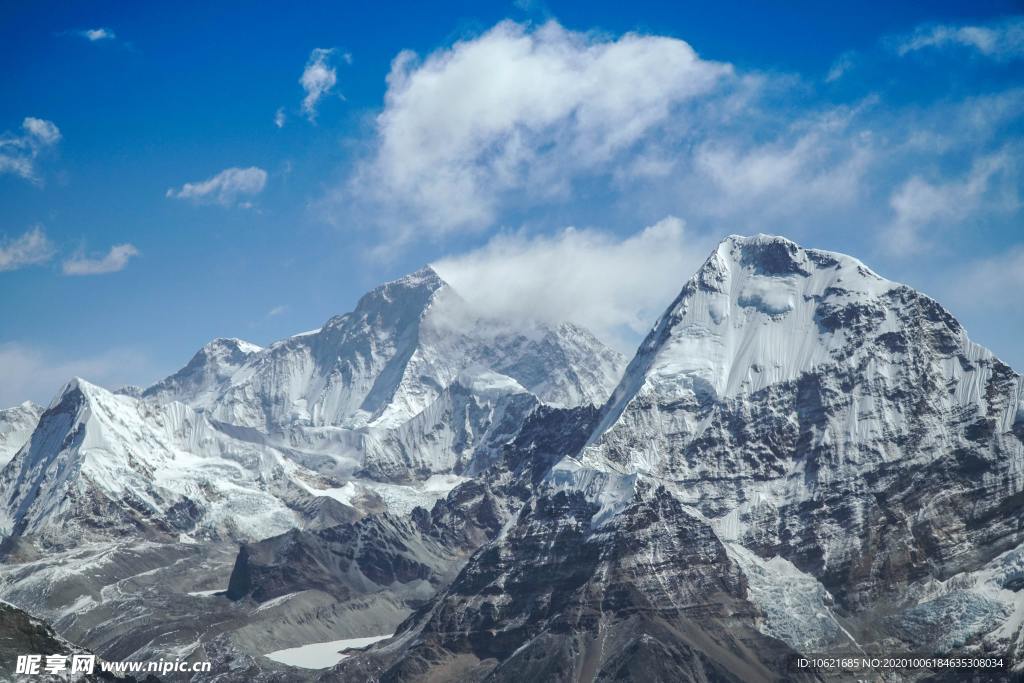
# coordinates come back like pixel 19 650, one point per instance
pixel 802 457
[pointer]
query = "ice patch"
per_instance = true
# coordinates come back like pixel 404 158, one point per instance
pixel 400 499
pixel 322 655
pixel 931 624
pixel 795 604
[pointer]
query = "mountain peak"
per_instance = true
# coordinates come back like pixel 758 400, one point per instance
pixel 77 385
pixel 764 310
pixel 231 345
pixel 402 299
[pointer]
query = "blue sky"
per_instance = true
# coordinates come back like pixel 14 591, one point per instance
pixel 174 173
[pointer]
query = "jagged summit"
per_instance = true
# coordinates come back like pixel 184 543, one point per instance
pixel 774 255
pixel 410 294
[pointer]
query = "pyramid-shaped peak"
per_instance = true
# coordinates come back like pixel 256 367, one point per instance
pixel 414 290
pixel 76 391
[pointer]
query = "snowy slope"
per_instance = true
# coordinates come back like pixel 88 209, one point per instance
pixel 462 431
pixel 200 381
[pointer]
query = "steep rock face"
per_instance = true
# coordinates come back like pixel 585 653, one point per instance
pixel 652 596
pixel 16 426
pixel 819 413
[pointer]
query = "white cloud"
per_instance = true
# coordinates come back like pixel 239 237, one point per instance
pixel 1001 40
pixel 30 373
pixel 31 248
pixel 276 311
pixel 41 130
pixel 114 260
pixel 918 204
pixel 279 117
pixel 815 162
pixel 614 286
pixel 18 153
pixel 318 78
pixel 225 188
pixel 96 34
pixel 518 111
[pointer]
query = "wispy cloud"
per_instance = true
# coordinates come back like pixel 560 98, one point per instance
pixel 20 152
pixel 841 66
pixel 113 261
pixel 565 276
pixel 922 208
pixel 279 117
pixel 97 34
pixel 1001 40
pixel 28 249
pixel 225 188
pixel 276 311
pixel 318 78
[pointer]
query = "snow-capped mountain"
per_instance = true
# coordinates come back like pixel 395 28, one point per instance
pixel 462 431
pixel 16 426
pixel 851 462
pixel 839 424
pixel 238 442
pixel 385 362
pixel 383 409
pixel 104 465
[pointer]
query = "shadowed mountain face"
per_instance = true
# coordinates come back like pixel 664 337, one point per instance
pixel 802 457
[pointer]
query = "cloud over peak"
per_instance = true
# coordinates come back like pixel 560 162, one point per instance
pixel 225 188
pixel 565 276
